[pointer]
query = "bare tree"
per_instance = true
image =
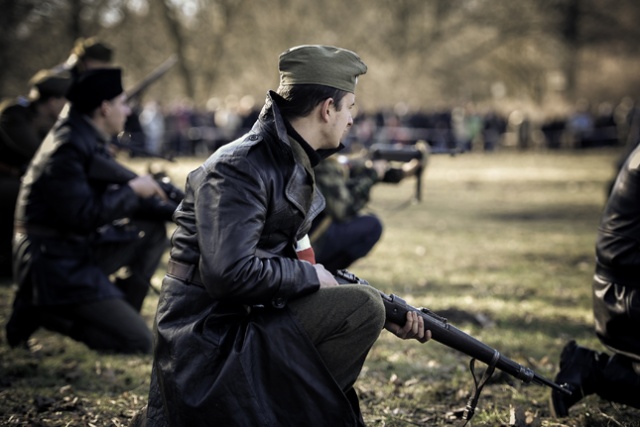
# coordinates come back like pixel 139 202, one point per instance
pixel 419 51
pixel 12 17
pixel 173 25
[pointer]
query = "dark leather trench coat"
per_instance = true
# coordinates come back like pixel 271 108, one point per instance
pixel 62 208
pixel 229 352
pixel 616 284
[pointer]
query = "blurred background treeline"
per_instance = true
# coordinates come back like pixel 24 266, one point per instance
pixel 534 63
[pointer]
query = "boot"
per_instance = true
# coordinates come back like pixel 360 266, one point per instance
pixel 21 325
pixel 579 369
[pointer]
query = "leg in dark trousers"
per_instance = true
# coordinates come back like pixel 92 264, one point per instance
pixel 343 323
pixel 620 382
pixel 9 187
pixel 141 256
pixel 345 242
pixel 108 325
pixel 585 371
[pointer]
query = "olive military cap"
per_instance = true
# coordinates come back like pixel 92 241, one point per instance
pixel 92 87
pixel 322 65
pixel 92 48
pixel 49 83
pixel 84 49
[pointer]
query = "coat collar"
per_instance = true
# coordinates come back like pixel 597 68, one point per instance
pixel 78 116
pixel 270 116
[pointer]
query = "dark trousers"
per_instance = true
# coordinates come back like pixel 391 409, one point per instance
pixel 141 258
pixel 616 309
pixel 343 323
pixel 618 379
pixel 615 378
pixel 112 325
pixel 345 242
pixel 9 187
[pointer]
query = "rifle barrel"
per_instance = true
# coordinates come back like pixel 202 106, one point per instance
pixel 449 335
pixel 160 71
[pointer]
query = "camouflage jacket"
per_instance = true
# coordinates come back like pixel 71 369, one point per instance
pixel 346 188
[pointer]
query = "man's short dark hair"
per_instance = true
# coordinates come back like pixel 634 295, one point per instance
pixel 303 98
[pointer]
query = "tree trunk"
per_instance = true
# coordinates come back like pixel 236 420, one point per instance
pixel 173 25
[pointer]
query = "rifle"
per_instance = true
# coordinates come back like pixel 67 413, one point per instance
pixel 107 170
pixel 151 78
pixel 391 153
pixel 396 311
pixel 123 142
pixel 133 123
pixel 404 153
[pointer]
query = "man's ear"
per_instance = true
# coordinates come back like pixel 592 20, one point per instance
pixel 104 108
pixel 327 109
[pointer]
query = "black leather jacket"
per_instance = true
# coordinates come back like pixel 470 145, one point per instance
pixel 228 351
pixel 616 284
pixel 618 242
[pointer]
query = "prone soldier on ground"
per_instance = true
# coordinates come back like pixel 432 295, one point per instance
pixel 344 232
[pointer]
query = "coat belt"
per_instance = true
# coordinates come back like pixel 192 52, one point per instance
pixel 186 272
pixel 45 231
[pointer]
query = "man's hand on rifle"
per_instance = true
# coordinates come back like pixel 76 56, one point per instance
pixel 412 329
pixel 145 186
pixel 409 168
pixel 380 166
pixel 326 278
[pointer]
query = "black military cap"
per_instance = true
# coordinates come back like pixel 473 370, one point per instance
pixel 323 65
pixel 92 87
pixel 49 83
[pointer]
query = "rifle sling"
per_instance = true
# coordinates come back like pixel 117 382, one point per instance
pixel 473 401
pixel 44 231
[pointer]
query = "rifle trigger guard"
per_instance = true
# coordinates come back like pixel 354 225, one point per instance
pixel 479 385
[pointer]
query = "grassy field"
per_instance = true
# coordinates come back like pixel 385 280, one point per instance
pixel 502 243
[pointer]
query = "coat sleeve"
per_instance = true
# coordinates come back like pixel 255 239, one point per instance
pixel 19 134
pixel 231 207
pixel 76 204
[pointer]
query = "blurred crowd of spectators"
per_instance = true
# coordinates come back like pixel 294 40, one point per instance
pixel 180 129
